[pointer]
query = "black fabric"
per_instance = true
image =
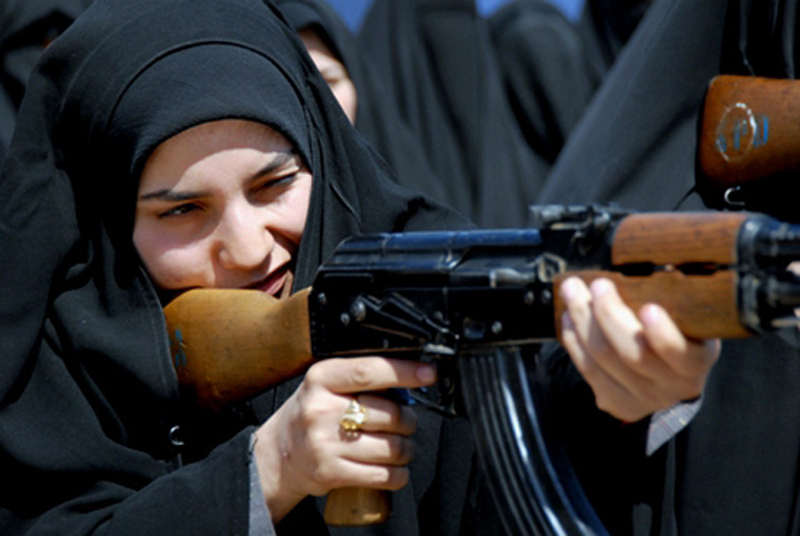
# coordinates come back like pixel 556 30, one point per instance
pixel 546 71
pixel 552 67
pixel 377 117
pixel 88 395
pixel 734 470
pixel 436 60
pixel 26 28
pixel 606 26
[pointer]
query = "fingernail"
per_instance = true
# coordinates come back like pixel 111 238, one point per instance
pixel 600 287
pixel 569 289
pixel 426 374
pixel 650 314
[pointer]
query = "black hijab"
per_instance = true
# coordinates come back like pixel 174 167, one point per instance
pixel 26 28
pixel 546 71
pixel 377 117
pixel 436 60
pixel 88 395
pixel 606 26
pixel 552 67
pixel 734 470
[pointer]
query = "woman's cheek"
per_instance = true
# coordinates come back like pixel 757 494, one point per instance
pixel 177 268
pixel 300 204
pixel 172 261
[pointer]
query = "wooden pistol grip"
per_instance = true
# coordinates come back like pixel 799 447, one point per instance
pixel 750 129
pixel 702 306
pixel 230 345
pixel 357 506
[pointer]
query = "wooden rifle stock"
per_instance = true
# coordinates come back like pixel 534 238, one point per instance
pixel 749 130
pixel 229 346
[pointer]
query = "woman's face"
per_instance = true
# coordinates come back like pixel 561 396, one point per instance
pixel 222 205
pixel 333 71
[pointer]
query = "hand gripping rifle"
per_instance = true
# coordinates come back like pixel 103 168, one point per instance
pixel 473 298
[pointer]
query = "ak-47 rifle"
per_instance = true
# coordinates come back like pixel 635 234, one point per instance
pixel 747 148
pixel 461 296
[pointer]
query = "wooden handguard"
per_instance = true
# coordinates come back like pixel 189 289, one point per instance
pixel 703 305
pixel 233 345
pixel 750 129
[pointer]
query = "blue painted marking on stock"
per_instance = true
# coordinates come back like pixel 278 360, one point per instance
pixel 722 143
pixel 180 357
pixel 763 138
pixel 738 133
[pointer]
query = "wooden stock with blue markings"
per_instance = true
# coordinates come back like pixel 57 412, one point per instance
pixel 750 130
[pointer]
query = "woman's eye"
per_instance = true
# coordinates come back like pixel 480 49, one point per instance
pixel 180 210
pixel 275 185
pixel 334 75
pixel 333 79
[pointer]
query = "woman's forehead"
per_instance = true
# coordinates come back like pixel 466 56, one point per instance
pixel 220 147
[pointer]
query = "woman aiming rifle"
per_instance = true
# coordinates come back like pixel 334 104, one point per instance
pixel 184 144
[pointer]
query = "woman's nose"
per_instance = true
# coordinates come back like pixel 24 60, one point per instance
pixel 245 240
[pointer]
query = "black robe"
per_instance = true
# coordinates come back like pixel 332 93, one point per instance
pixel 88 394
pixel 436 60
pixel 605 26
pixel 734 470
pixel 377 116
pixel 551 67
pixel 546 71
pixel 26 28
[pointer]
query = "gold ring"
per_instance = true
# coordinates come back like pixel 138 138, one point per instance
pixel 354 417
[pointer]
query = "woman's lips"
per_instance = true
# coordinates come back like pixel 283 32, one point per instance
pixel 273 283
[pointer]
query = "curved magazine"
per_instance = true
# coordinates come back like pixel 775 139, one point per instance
pixel 529 475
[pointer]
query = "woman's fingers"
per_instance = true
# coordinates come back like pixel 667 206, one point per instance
pixel 635 364
pixel 686 357
pixel 629 357
pixel 360 374
pixel 337 431
pixel 346 473
pixel 375 455
pixel 377 448
pixel 611 395
pixel 383 415
pixel 585 337
pixel 331 386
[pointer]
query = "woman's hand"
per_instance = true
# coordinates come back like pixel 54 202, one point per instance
pixel 302 450
pixel 636 364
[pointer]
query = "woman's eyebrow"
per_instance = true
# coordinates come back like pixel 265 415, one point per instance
pixel 280 160
pixel 166 194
